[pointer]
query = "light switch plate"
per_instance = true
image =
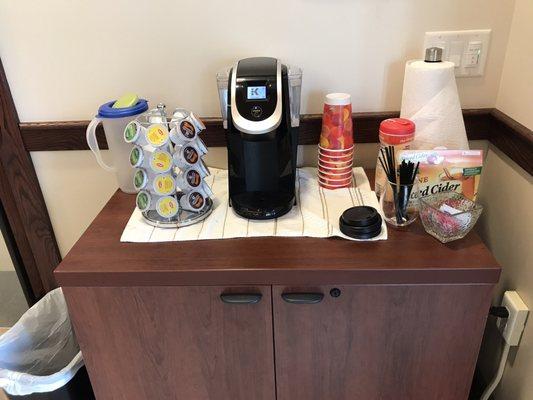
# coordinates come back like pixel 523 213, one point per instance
pixel 466 49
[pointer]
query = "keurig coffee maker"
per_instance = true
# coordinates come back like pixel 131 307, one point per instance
pixel 260 102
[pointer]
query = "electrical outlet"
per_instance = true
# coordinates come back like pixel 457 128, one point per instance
pixel 466 49
pixel 511 328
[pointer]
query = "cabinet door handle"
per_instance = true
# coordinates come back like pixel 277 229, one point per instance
pixel 303 298
pixel 241 298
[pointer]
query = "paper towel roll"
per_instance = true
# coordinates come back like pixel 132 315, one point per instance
pixel 431 101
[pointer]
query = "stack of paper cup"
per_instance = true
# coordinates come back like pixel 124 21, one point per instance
pixel 335 151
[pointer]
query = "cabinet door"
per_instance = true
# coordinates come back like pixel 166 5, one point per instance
pixel 378 342
pixel 175 342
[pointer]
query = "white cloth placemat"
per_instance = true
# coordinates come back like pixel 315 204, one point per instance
pixel 316 214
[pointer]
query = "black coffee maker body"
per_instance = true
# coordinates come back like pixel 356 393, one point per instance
pixel 262 138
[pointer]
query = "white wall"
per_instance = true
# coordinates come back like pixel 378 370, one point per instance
pixel 515 96
pixel 507 191
pixel 63 58
pixel 75 189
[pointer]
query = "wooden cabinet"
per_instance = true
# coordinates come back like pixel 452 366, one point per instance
pixel 405 323
pixel 378 341
pixel 174 342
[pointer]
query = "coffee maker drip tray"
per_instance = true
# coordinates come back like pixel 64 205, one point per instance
pixel 262 205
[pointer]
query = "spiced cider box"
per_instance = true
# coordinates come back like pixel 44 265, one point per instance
pixel 447 170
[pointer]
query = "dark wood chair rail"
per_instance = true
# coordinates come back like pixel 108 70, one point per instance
pixel 508 135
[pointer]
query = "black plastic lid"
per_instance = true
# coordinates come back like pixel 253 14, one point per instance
pixel 361 222
pixel 360 235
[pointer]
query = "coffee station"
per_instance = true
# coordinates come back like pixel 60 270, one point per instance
pixel 271 280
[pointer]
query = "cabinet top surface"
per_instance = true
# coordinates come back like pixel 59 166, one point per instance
pixel 409 257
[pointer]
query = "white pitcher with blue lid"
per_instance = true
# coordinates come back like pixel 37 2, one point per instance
pixel 114 116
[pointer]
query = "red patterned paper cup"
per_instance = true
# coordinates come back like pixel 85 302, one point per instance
pixel 337 125
pixel 335 159
pixel 333 170
pixel 335 182
pixel 330 152
pixel 333 187
pixel 327 174
pixel 335 164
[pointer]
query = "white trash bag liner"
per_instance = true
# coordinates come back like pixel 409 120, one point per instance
pixel 40 352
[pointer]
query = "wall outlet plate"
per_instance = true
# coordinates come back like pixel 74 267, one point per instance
pixel 512 328
pixel 466 49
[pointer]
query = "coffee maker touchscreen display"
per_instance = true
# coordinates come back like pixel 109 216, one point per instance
pixel 256 93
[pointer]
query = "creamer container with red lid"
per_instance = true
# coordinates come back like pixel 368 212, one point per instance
pixel 397 132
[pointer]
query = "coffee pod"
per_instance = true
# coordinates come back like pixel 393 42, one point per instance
pixel 167 206
pixel 186 156
pixel 189 179
pixel 181 113
pixel 160 161
pixel 164 185
pixel 143 201
pixel 137 158
pixel 193 201
pixel 140 179
pixel 197 144
pixel 184 131
pixel 361 222
pixel 133 133
pixel 156 135
pixel 185 126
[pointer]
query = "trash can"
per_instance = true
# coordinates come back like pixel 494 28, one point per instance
pixel 39 356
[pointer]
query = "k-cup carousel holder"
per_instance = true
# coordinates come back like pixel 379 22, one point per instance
pixel 169 179
pixel 181 219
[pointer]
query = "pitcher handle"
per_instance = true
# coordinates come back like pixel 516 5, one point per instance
pixel 93 144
